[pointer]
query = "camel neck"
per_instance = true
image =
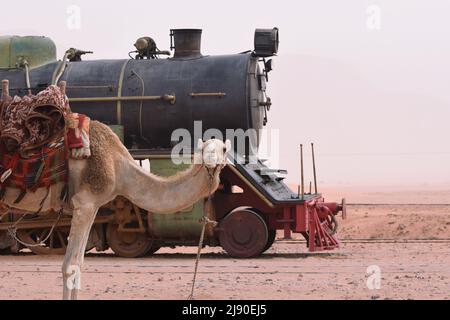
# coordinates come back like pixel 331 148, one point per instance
pixel 166 194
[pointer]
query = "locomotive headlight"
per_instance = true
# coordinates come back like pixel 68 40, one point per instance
pixel 141 44
pixel 266 42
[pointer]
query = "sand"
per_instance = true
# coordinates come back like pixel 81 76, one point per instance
pixel 408 271
pixel 409 243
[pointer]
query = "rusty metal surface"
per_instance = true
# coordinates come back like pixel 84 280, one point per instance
pixel 42 222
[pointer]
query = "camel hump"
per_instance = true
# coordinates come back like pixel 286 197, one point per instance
pixel 106 150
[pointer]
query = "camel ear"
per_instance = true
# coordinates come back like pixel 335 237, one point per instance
pixel 227 145
pixel 200 144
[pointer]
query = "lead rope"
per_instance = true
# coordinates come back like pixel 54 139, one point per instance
pixel 204 220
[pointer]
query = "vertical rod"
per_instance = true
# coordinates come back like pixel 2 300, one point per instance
pixel 287 225
pixel 27 78
pixel 5 89
pixel 314 168
pixel 301 172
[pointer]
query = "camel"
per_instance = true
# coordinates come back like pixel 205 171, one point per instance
pixel 110 172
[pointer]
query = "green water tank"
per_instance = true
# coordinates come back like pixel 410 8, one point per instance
pixel 183 225
pixel 36 50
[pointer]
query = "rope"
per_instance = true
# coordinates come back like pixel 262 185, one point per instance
pixel 204 220
pixel 12 231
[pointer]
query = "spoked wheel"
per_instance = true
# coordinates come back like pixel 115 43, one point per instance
pixel 243 234
pixel 55 244
pixel 128 244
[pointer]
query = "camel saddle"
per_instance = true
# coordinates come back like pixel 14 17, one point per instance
pixel 33 121
pixel 38 133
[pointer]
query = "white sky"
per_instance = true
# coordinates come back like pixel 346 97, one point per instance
pixel 375 102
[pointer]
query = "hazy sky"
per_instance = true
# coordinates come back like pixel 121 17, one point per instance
pixel 376 101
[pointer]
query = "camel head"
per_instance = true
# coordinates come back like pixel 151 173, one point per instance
pixel 214 152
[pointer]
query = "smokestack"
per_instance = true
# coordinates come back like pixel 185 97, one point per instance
pixel 186 42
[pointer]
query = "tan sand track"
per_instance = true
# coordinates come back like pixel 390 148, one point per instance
pixel 409 243
pixel 287 271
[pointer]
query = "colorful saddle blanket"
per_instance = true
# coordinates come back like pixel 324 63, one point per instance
pixel 40 170
pixel 37 136
pixel 33 121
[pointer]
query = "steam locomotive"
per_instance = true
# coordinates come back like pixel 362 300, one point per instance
pixel 144 99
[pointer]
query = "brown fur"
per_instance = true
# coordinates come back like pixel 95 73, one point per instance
pixel 99 172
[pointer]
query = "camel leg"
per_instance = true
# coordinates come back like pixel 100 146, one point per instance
pixel 82 221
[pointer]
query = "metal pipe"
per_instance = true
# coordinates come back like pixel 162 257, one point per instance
pixel 301 172
pixel 167 97
pixel 119 92
pixel 314 168
pixel 59 71
pixel 207 94
pixel 27 77
pixel 110 87
pixel 5 89
pixel 141 105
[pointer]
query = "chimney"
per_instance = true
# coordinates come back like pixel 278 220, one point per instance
pixel 186 42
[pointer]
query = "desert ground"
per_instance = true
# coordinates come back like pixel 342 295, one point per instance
pixel 404 233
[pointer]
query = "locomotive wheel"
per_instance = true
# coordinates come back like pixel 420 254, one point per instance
pixel 271 239
pixel 128 244
pixel 243 234
pixel 55 244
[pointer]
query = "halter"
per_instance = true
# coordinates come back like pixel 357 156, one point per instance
pixel 211 171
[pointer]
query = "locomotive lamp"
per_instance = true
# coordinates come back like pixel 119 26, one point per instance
pixel 144 45
pixel 266 42
pixel 146 49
